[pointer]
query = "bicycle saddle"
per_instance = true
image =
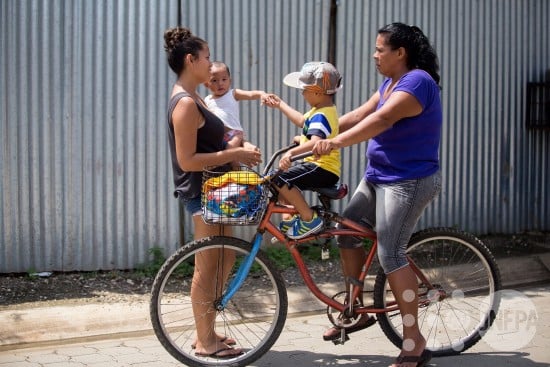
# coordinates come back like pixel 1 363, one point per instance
pixel 335 192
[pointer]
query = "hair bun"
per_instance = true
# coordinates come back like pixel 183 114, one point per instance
pixel 174 36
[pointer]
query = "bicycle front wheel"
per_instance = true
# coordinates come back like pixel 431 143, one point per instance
pixel 461 305
pixel 254 317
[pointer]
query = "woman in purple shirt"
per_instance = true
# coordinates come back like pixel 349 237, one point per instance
pixel 402 122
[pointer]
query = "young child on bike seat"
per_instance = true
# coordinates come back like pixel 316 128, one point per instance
pixel 319 81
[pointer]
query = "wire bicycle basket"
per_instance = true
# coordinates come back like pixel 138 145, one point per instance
pixel 237 197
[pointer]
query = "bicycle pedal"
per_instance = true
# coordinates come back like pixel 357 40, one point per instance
pixel 339 341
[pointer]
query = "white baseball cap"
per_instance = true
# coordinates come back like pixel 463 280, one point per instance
pixel 317 75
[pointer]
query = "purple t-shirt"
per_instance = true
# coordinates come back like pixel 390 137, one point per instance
pixel 410 148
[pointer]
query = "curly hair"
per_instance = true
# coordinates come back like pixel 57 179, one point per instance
pixel 420 53
pixel 179 42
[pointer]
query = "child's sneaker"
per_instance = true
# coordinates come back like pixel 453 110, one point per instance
pixel 301 228
pixel 285 225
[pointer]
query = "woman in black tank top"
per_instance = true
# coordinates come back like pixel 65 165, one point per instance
pixel 196 141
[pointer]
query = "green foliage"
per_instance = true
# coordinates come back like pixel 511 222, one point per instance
pixel 31 273
pixel 156 259
pixel 185 269
pixel 367 242
pixel 92 274
pixel 280 256
pixel 311 252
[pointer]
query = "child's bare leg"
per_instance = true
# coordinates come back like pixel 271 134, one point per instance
pixel 234 139
pixel 285 216
pixel 295 197
pixel 235 142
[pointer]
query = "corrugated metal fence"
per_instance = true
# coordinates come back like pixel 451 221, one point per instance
pixel 496 172
pixel 86 182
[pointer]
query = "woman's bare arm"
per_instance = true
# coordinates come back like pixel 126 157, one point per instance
pixel 187 119
pixel 399 106
pixel 351 118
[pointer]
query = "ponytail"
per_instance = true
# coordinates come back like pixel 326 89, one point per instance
pixel 420 53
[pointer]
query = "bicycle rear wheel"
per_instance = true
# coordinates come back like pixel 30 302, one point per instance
pixel 254 316
pixel 463 304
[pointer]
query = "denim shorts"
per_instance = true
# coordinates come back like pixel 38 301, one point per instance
pixel 392 210
pixel 192 206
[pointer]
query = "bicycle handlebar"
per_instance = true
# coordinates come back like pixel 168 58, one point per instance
pixel 297 157
pixel 280 152
pixel 275 155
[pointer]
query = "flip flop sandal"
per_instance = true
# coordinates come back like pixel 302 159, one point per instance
pixel 222 340
pixel 337 331
pixel 420 360
pixel 217 354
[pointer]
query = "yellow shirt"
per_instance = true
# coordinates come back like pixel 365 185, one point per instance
pixel 322 122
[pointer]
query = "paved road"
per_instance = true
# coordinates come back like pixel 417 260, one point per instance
pixel 520 337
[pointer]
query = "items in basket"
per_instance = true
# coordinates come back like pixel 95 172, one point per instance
pixel 234 200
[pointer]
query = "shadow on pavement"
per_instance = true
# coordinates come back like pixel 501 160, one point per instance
pixel 309 359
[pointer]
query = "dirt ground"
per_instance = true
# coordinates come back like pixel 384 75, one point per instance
pixel 24 290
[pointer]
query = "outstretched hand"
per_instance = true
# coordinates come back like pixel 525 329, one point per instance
pixel 271 100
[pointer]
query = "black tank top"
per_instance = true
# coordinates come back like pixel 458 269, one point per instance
pixel 209 140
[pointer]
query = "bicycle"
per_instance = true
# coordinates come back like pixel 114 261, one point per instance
pixel 458 284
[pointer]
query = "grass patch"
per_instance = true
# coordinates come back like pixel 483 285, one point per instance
pixel 155 260
pixel 309 252
pixel 279 255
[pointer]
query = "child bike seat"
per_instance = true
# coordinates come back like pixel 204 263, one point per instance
pixel 335 192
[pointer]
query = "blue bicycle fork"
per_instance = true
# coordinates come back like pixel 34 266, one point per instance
pixel 242 273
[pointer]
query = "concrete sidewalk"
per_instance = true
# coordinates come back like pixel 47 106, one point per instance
pixel 74 322
pixel 300 344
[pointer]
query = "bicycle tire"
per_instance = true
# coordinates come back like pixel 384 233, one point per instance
pixel 465 269
pixel 254 317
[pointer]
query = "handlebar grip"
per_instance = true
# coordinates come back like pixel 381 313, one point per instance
pixel 277 172
pixel 277 154
pixel 297 157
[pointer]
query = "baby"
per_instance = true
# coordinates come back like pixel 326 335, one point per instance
pixel 223 101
